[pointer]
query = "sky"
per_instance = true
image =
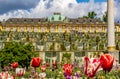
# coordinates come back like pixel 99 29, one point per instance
pixel 45 8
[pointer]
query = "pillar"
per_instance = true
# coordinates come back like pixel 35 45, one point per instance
pixel 111 31
pixel 111 27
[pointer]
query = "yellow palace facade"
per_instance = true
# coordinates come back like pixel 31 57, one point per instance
pixel 55 23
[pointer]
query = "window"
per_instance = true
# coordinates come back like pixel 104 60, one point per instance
pixel 80 29
pixel 93 29
pixel 87 29
pixel 42 29
pixel 14 29
pixel 21 29
pixel 60 29
pixel 35 30
pixel 73 28
pixel 100 29
pixel 28 29
pixel 52 29
pixel 7 29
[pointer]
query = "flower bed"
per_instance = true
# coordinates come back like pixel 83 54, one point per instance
pixel 94 68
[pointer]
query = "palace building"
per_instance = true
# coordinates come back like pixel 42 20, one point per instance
pixel 55 23
pixel 55 35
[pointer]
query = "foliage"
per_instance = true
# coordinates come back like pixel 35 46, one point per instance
pixel 52 47
pixel 62 46
pixel 91 15
pixel 66 57
pixel 16 52
pixel 105 17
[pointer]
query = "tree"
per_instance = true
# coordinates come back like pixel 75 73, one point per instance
pixel 16 52
pixel 91 15
pixel 105 17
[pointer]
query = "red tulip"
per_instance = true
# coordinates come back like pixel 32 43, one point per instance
pixel 47 64
pixel 107 62
pixel 68 69
pixel 35 62
pixel 54 63
pixel 91 66
pixel 15 65
pixel 43 68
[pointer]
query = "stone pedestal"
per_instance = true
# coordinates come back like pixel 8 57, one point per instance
pixel 115 54
pixel 42 55
pixel 72 56
pixel 60 56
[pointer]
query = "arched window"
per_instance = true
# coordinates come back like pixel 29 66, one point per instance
pixel 21 29
pixel 7 29
pixel 87 29
pixel 80 29
pixel 35 30
pixel 100 29
pixel 14 29
pixel 28 29
pixel 93 29
pixel 42 29
pixel 52 29
pixel 60 29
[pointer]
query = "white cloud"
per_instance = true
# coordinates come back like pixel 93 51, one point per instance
pixel 68 8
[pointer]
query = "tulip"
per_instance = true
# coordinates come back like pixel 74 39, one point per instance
pixel 91 66
pixel 15 65
pixel 20 72
pixel 43 68
pixel 54 63
pixel 107 62
pixel 35 62
pixel 47 64
pixel 67 70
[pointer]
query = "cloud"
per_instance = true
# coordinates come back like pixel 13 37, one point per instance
pixel 9 5
pixel 70 8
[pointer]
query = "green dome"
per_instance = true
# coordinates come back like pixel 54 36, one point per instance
pixel 56 17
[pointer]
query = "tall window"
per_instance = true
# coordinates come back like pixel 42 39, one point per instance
pixel 93 29
pixel 21 29
pixel 52 29
pixel 28 29
pixel 7 29
pixel 73 28
pixel 42 29
pixel 87 29
pixel 35 30
pixel 100 29
pixel 14 29
pixel 80 29
pixel 60 29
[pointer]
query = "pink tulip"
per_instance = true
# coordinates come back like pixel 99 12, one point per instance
pixel 91 66
pixel 20 72
pixel 43 68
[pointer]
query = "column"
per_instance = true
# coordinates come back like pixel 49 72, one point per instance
pixel 111 32
pixel 111 27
